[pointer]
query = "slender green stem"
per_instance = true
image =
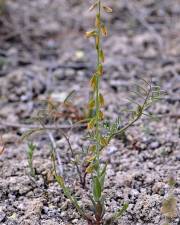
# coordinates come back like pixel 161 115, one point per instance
pixel 98 48
pixel 124 128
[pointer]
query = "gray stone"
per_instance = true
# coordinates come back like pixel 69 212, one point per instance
pixel 2 216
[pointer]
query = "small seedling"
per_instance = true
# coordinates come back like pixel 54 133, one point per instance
pixel 30 153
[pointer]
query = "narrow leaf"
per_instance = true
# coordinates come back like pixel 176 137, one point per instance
pixel 100 70
pixel 93 6
pixel 91 104
pixel 107 9
pixel 96 189
pixel 90 33
pixel 92 148
pixel 90 159
pixel 101 115
pixel 104 30
pixel 98 22
pixel 103 174
pixel 103 141
pixel 97 42
pixel 69 96
pixel 93 81
pixel 120 212
pixel 102 55
pixel 91 123
pixel 101 100
pixel 90 169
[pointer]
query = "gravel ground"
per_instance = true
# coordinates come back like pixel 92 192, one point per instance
pixel 37 61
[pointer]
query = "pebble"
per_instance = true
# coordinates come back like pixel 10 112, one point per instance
pixel 63 214
pixel 75 221
pixel 154 145
pixel 134 192
pixel 9 138
pixel 2 216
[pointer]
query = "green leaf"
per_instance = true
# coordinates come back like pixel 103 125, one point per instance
pixel 91 33
pixel 93 202
pixel 104 30
pixel 103 174
pixel 67 193
pixel 31 148
pixel 91 123
pixel 139 110
pixel 69 96
pixel 96 189
pixel 101 100
pixel 90 169
pixel 103 141
pixel 100 70
pixel 60 181
pixel 120 212
pixel 93 82
pixel 101 115
pixel 101 54
pixel 98 21
pixel 91 104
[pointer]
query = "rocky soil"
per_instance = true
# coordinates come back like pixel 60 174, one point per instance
pixel 43 53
